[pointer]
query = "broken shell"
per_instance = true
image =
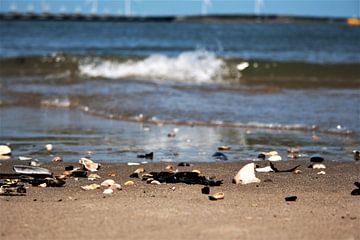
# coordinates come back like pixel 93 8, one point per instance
pixel 272 153
pixel 197 171
pixel 321 173
pixel 116 186
pixel 108 191
pixel 264 169
pixel 246 175
pixel 43 185
pixel 318 166
pixel 107 183
pixel 49 147
pixel 297 171
pixel 129 183
pixel 224 148
pixel 275 158
pixel 155 182
pixel 356 154
pixel 5 150
pixel 217 196
pixel 57 159
pixel 93 176
pixel 21 158
pixel 139 170
pixel 89 164
pixel 91 187
pixel 169 167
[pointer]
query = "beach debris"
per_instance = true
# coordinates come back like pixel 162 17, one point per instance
pixel 35 163
pixel 139 170
pixel 217 196
pixel 242 66
pixel 184 164
pixel 287 170
pixel 224 148
pixel 356 191
pixel 246 175
pixel 69 168
pixel 317 166
pixel 43 185
pixel 291 198
pixel 12 187
pixel 205 190
pixel 91 187
pixel 297 171
pixel 170 168
pixel 219 156
pixel 196 171
pixel 261 156
pixel 23 158
pixel 264 169
pixel 146 155
pixel 31 170
pixel 107 183
pixel 93 177
pixel 133 164
pixel 356 155
pixel 89 164
pixel 182 177
pixel 78 173
pixel 275 158
pixel 116 186
pixel 49 147
pixel 5 150
pixel 129 183
pixel 108 191
pixel 111 174
pixel 57 159
pixel 321 173
pixel 316 159
pixel 293 152
pixel 155 182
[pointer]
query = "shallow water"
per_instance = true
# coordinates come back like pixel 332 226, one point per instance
pixel 91 86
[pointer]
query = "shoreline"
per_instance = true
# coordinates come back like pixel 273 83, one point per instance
pixel 324 209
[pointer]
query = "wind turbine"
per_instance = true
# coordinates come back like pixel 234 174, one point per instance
pixel 30 8
pixel 13 8
pixel 259 4
pixel 127 8
pixel 94 6
pixel 204 6
pixel 44 6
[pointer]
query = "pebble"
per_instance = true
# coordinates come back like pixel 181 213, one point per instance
pixel 170 168
pixel 5 150
pixel 205 190
pixel 297 171
pixel 318 166
pixel 108 191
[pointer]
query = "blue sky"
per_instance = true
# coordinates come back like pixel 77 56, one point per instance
pixel 332 8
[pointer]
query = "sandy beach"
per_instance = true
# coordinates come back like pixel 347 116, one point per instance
pixel 324 209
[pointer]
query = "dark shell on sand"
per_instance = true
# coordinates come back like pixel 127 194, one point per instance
pixel 220 156
pixel 291 198
pixel 316 159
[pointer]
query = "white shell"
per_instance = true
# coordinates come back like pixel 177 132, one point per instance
pixel 91 187
pixel 275 158
pixel 155 182
pixel 107 183
pixel 133 164
pixel 49 147
pixel 246 175
pixel 89 164
pixel 321 173
pixel 21 158
pixel 264 169
pixel 318 166
pixel 108 191
pixel 116 186
pixel 5 150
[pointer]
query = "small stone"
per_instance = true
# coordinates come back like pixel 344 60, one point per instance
pixel 43 185
pixel 291 198
pixel 49 147
pixel 318 166
pixel 35 163
pixel 111 174
pixel 173 188
pixel 297 171
pixel 170 168
pixel 205 190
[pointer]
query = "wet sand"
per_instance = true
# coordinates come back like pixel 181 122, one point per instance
pixel 324 208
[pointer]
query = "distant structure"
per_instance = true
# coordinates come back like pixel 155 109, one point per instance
pixel 94 6
pixel 45 7
pixel 204 6
pixel 127 8
pixel 259 4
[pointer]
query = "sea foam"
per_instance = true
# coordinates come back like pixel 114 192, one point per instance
pixel 195 67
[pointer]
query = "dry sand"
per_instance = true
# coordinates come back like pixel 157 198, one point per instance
pixel 324 208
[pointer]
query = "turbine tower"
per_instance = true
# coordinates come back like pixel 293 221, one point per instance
pixel 127 8
pixel 44 6
pixel 204 6
pixel 94 6
pixel 259 4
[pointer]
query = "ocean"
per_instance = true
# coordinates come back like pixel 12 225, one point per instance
pixel 113 90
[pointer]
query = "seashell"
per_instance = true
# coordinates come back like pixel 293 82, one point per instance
pixel 111 174
pixel 197 171
pixel 224 148
pixel 297 171
pixel 116 186
pixel 217 196
pixel 89 164
pixel 169 167
pixel 5 150
pixel 264 169
pixel 173 188
pixel 155 182
pixel 35 163
pixel 318 166
pixel 93 176
pixel 275 158
pixel 290 198
pixel 107 183
pixel 49 147
pixel 43 185
pixel 21 158
pixel 139 170
pixel 316 159
pixel 246 175
pixel 60 177
pixel 272 153
pixel 129 183
pixel 356 154
pixel 57 159
pixel 108 191
pixel 321 173
pixel 91 187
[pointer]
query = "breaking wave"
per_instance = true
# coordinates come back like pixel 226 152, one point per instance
pixel 196 67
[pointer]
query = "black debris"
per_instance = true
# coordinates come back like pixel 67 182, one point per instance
pixel 185 177
pixel 146 155
pixel 205 190
pixel 316 159
pixel 287 170
pixel 356 155
pixel 291 198
pixel 261 156
pixel 220 156
pixel 134 175
pixel 184 164
pixel 69 168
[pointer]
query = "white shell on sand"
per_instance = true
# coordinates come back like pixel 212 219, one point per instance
pixel 91 187
pixel 133 164
pixel 321 173
pixel 129 183
pixel 246 175
pixel 275 158
pixel 21 158
pixel 5 150
pixel 89 164
pixel 108 191
pixel 116 186
pixel 107 183
pixel 49 147
pixel 318 166
pixel 155 182
pixel 264 169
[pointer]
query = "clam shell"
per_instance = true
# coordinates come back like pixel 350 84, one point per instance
pixel 139 170
pixel 217 196
pixel 197 171
pixel 89 164
pixel 107 183
pixel 155 182
pixel 91 187
pixel 129 183
pixel 5 150
pixel 108 191
pixel 275 158
pixel 318 166
pixel 246 175
pixel 116 186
